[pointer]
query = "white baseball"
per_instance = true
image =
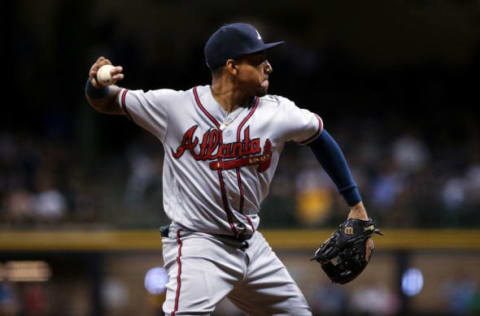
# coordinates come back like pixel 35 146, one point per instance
pixel 104 76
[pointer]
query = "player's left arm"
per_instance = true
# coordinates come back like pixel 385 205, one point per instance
pixel 346 253
pixel 307 128
pixel 329 154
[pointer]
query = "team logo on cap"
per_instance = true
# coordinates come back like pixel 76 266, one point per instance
pixel 258 35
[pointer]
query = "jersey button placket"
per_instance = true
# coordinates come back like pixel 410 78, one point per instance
pixel 226 189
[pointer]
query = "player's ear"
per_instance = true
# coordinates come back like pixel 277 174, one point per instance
pixel 231 67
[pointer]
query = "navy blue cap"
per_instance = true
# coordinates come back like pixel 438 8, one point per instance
pixel 232 41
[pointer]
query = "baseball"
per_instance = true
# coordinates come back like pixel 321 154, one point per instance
pixel 103 75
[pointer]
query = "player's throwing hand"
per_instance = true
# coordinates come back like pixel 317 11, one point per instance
pixel 115 72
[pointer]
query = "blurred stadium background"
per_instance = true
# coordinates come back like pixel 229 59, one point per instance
pixel 396 83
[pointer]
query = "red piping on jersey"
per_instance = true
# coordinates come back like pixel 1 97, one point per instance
pixel 124 105
pixel 225 203
pixel 320 129
pixel 239 177
pixel 203 109
pixel 220 176
pixel 179 263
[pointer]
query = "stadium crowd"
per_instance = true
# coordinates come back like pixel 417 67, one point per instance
pixel 409 132
pixel 405 181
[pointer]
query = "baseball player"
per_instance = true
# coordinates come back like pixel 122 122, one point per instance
pixel 222 144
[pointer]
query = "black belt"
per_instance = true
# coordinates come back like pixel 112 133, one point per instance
pixel 164 230
pixel 242 237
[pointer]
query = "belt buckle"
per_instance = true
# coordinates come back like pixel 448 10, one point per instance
pixel 243 237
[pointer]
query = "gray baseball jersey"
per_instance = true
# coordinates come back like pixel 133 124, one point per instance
pixel 218 166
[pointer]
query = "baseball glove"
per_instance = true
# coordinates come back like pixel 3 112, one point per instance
pixel 347 252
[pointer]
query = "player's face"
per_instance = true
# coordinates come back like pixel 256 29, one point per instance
pixel 253 74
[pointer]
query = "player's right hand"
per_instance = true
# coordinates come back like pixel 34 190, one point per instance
pixel 116 72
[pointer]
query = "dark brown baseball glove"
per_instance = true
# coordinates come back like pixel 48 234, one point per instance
pixel 347 252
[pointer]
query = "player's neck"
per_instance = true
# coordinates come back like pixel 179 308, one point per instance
pixel 229 98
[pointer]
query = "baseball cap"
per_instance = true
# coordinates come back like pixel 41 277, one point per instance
pixel 233 41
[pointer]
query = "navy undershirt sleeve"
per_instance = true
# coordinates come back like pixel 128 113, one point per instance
pixel 331 157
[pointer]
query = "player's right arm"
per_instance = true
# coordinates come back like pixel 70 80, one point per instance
pixel 104 99
pixel 149 109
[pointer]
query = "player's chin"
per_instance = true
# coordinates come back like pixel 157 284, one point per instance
pixel 263 90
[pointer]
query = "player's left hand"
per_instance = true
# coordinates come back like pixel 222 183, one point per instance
pixel 347 252
pixel 358 211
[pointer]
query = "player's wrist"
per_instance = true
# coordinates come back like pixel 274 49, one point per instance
pixel 358 211
pixel 95 92
pixel 351 194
